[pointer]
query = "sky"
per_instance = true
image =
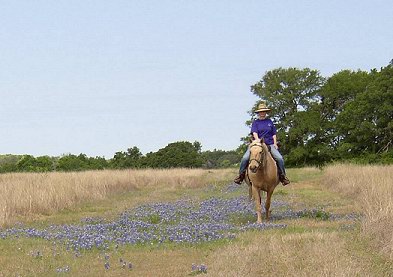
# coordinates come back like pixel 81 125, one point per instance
pixel 97 77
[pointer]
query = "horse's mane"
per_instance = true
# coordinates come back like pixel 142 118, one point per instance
pixel 257 142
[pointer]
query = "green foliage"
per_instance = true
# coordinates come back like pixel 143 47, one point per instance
pixel 129 159
pixel 345 117
pixel 44 163
pixel 153 219
pixel 8 163
pixel 176 154
pixel 315 214
pixel 27 163
pixel 72 163
pixel 221 158
pixel 288 91
pixel 81 162
pixel 366 122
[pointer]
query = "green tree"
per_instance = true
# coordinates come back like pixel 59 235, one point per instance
pixel 27 163
pixel 72 162
pixel 97 163
pixel 44 163
pixel 176 154
pixel 8 163
pixel 221 158
pixel 288 91
pixel 365 124
pixel 129 159
pixel 340 90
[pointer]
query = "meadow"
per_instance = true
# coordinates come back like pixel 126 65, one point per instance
pixel 185 222
pixel 32 195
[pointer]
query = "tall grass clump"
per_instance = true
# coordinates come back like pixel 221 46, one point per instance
pixel 372 189
pixel 25 194
pixel 306 254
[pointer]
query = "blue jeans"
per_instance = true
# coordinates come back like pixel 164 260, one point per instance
pixel 276 156
pixel 244 161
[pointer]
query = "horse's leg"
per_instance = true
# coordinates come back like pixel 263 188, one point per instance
pixel 258 206
pixel 267 203
pixel 248 182
pixel 250 192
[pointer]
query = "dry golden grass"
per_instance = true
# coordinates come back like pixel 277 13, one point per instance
pixel 277 254
pixel 26 194
pixel 372 188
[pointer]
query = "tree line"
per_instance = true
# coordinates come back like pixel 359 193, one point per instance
pixel 177 154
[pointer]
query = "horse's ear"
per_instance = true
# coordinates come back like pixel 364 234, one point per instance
pixel 262 140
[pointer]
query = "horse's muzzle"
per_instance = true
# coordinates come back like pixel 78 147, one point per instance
pixel 253 168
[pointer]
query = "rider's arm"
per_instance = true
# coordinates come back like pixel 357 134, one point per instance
pixel 275 141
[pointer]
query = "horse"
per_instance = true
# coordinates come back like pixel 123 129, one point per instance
pixel 262 175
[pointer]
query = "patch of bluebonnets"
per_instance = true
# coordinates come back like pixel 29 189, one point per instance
pixel 182 221
pixel 197 269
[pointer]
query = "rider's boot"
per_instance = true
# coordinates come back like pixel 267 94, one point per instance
pixel 284 180
pixel 239 179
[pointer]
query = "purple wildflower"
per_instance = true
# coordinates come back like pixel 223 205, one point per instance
pixel 106 265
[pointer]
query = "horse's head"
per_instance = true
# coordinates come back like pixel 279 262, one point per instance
pixel 258 151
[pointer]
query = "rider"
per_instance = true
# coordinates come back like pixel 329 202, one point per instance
pixel 264 128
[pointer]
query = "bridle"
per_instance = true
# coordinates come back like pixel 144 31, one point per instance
pixel 261 161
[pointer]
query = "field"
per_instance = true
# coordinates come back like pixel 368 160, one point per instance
pixel 331 222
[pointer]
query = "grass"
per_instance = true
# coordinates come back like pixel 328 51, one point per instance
pixel 311 245
pixel 33 196
pixel 371 188
pixel 280 253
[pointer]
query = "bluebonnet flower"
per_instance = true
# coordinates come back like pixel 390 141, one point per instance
pixel 106 265
pixel 197 269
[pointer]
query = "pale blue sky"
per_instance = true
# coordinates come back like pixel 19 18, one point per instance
pixel 97 77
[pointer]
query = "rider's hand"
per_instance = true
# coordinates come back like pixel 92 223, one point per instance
pixel 275 146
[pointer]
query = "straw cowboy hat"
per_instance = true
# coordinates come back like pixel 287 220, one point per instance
pixel 262 108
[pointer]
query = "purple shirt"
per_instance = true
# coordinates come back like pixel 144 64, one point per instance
pixel 265 129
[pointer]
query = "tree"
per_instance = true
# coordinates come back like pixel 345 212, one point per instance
pixel 340 90
pixel 176 154
pixel 221 158
pixel 288 91
pixel 44 163
pixel 73 163
pixel 26 163
pixel 365 124
pixel 129 159
pixel 98 163
pixel 8 163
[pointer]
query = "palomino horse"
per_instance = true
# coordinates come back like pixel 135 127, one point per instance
pixel 261 175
